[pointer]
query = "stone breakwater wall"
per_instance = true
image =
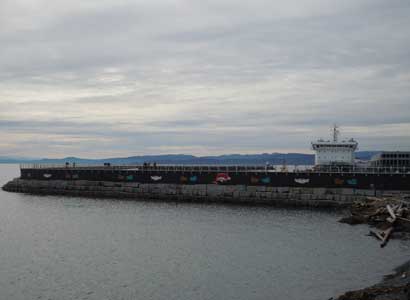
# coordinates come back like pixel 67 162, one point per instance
pixel 289 196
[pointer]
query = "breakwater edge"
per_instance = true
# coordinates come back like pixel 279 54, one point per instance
pixel 290 196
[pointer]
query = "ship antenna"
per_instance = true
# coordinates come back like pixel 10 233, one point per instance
pixel 335 133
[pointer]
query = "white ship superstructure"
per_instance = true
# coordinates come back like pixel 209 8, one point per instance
pixel 334 152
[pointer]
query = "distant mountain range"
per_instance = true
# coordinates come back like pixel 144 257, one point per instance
pixel 240 159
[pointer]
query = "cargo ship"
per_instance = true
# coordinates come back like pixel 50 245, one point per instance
pixel 334 167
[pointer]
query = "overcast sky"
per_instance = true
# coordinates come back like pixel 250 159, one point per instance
pixel 119 78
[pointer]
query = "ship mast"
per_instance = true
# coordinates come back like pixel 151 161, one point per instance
pixel 335 133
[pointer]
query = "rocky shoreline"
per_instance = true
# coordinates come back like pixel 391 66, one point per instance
pixel 390 215
pixel 394 287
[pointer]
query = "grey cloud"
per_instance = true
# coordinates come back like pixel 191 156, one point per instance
pixel 216 75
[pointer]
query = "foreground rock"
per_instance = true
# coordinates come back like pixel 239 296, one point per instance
pixel 394 287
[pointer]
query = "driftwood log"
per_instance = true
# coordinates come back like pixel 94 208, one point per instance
pixel 388 215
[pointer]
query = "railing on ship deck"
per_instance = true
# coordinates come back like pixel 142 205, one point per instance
pixel 229 168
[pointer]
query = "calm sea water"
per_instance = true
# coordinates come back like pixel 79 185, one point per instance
pixel 77 248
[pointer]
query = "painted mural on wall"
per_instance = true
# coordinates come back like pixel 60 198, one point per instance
pixel 186 179
pixel 222 178
pixel 256 179
pixel 352 181
pixel 302 180
pixel 339 181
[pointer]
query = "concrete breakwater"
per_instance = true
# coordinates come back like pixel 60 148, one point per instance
pixel 246 194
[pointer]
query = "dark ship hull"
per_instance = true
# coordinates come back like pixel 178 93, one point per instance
pixel 224 175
